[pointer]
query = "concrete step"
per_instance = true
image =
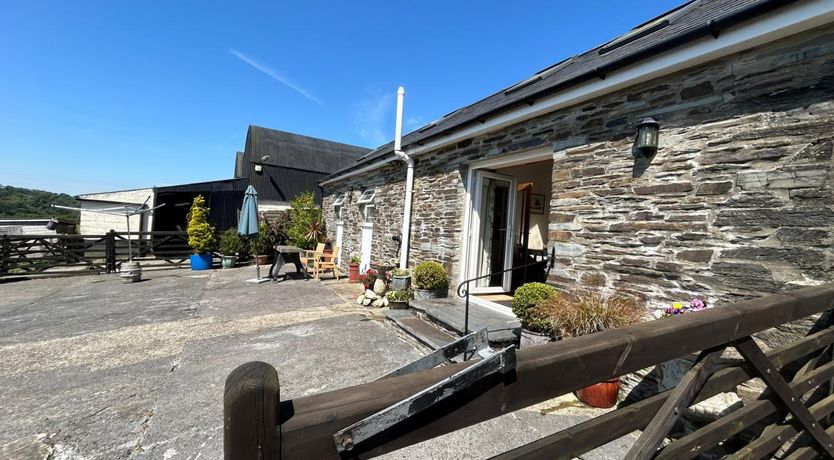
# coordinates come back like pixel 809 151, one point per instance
pixel 448 313
pixel 423 331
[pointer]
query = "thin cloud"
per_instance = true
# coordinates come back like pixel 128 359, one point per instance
pixel 274 75
pixel 373 116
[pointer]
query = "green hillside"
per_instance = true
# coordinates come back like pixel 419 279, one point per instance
pixel 18 202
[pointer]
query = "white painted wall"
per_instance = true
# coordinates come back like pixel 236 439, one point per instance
pixel 95 223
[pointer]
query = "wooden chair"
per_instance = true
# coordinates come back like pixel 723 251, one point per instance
pixel 309 258
pixel 328 262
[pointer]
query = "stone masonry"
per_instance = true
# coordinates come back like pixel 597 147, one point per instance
pixel 736 203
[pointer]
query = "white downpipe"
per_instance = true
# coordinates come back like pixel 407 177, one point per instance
pixel 409 178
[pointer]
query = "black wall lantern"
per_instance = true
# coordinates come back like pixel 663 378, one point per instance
pixel 647 136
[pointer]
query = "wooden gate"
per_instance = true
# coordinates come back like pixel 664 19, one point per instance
pixel 52 255
pixel 795 407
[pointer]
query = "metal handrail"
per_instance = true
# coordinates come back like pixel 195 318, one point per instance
pixel 465 292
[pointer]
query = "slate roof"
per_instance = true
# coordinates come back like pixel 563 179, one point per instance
pixel 295 151
pixel 690 21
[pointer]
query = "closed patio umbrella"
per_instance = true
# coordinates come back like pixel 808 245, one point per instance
pixel 248 224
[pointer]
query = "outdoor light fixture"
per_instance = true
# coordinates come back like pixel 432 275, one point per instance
pixel 258 167
pixel 647 136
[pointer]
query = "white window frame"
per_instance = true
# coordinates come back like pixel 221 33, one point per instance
pixel 368 214
pixel 340 200
pixel 367 197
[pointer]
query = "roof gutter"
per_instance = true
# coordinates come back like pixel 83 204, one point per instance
pixel 659 60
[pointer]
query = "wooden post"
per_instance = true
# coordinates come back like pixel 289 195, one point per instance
pixel 110 251
pixel 250 413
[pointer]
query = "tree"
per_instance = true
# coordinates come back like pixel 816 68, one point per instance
pixel 306 227
pixel 201 235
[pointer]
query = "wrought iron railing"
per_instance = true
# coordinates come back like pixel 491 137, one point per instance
pixel 464 289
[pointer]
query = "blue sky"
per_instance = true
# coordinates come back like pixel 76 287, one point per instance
pixel 108 95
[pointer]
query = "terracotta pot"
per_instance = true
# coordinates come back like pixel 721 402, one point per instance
pixel 353 273
pixel 261 259
pixel 602 395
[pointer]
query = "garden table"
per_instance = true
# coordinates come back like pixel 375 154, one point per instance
pixel 284 255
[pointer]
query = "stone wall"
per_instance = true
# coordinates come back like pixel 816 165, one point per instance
pixel 736 203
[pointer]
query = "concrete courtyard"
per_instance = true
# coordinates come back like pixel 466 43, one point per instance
pixel 91 368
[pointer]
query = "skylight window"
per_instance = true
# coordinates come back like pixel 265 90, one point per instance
pixel 367 196
pixel 340 200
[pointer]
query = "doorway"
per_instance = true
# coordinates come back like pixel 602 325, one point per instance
pixel 507 222
pixel 492 226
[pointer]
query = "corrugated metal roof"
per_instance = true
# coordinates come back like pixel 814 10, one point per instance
pixel 225 185
pixel 291 150
pixel 685 23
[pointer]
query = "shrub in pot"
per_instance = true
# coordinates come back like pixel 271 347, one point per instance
pixel 230 245
pixel 535 325
pixel 201 235
pixel 261 245
pixel 586 311
pixel 400 279
pixel 399 299
pixel 430 281
pixel 368 278
pixel 353 268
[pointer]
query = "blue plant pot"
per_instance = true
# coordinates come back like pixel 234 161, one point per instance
pixel 200 261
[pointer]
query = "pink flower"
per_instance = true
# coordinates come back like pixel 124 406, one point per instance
pixel 697 304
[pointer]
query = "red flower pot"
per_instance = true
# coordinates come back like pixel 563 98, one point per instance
pixel 602 395
pixel 353 273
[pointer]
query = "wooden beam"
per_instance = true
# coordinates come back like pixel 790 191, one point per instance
pixel 680 399
pixel 577 362
pixel 579 439
pixel 791 399
pixel 710 435
pixel 776 436
pixel 250 413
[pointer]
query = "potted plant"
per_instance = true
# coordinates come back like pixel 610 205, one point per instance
pixel 430 281
pixel 400 279
pixel 230 245
pixel 399 299
pixel 368 278
pixel 353 268
pixel 535 326
pixel 201 235
pixel 586 311
pixel 261 245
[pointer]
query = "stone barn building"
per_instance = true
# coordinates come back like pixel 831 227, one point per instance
pixel 735 201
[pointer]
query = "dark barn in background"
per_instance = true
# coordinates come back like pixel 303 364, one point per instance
pixel 223 197
pixel 280 165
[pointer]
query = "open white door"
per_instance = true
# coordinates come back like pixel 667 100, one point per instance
pixel 491 231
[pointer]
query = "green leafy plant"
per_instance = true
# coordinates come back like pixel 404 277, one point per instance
pixel 401 272
pixel 201 236
pixel 262 243
pixel 355 259
pixel 430 275
pixel 399 296
pixel 586 311
pixel 230 242
pixel 525 298
pixel 305 228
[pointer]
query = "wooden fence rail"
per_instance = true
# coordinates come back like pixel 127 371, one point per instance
pixel 27 255
pixel 305 426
